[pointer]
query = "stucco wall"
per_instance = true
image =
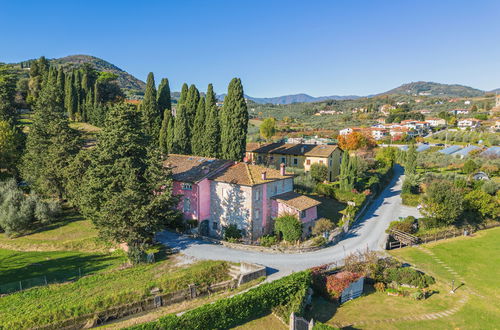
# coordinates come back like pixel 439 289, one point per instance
pixel 230 204
pixel 192 195
pixel 204 199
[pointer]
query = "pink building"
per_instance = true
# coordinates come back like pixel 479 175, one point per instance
pixel 218 193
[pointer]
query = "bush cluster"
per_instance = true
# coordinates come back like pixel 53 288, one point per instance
pixel 230 312
pixel 408 276
pixel 20 212
pixel 406 225
pixel 232 233
pixel 289 227
pixel 268 240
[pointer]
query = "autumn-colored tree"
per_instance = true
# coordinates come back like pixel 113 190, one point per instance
pixel 355 141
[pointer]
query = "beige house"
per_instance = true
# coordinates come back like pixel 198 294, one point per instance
pixel 297 155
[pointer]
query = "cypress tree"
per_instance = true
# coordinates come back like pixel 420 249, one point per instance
pixel 197 140
pixel 150 115
pixel 182 133
pixel 192 100
pixel 234 122
pixel 61 79
pixel 51 145
pixel 184 94
pixel 164 100
pixel 212 127
pixel 170 134
pixel 166 124
pixel 411 160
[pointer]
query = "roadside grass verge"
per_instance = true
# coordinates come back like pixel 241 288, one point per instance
pixel 57 302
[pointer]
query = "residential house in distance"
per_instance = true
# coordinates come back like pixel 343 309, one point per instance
pixel 218 193
pixel 471 123
pixel 435 122
pixel 299 155
pixel 456 112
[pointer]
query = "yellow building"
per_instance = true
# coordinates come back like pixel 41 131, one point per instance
pixel 296 155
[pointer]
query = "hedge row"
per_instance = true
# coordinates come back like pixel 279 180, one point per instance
pixel 230 312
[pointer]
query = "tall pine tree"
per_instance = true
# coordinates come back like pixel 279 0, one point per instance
pixel 198 136
pixel 182 131
pixel 50 147
pixel 126 191
pixel 211 140
pixel 150 114
pixel 165 134
pixel 192 100
pixel 164 100
pixel 234 122
pixel 184 94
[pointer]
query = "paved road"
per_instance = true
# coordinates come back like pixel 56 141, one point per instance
pixel 369 232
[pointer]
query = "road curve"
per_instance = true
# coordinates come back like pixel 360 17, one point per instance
pixel 368 232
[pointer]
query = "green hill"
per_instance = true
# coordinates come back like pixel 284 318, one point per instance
pixel 125 79
pixel 435 89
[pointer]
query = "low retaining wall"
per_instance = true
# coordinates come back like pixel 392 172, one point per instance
pixel 249 272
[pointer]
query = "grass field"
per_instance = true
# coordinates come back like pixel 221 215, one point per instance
pixel 54 303
pixel 475 261
pixel 55 265
pixel 71 232
pixel 329 208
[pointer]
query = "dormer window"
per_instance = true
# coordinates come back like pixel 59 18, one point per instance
pixel 187 186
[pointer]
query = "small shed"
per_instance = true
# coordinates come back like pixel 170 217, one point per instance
pixel 353 291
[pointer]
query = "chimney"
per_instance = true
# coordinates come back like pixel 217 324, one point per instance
pixel 282 169
pixel 302 150
pixel 263 175
pixel 205 170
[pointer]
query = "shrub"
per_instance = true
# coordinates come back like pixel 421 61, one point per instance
pixel 268 240
pixel 406 225
pixel 20 212
pixel 410 199
pixel 230 312
pixel 324 189
pixel 337 283
pixel 418 295
pixel 289 226
pixel 408 276
pixel 322 326
pixel 232 232
pixel 318 241
pixel 322 225
pixel 319 172
pixel 379 286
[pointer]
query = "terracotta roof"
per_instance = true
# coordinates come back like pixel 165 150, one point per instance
pixel 251 146
pixel 322 150
pixel 187 168
pixel 248 175
pixel 297 201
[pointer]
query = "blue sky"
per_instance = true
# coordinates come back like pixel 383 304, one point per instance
pixel 276 47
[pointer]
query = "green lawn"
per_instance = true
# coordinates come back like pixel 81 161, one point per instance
pixel 476 260
pixel 71 232
pixel 54 303
pixel 58 265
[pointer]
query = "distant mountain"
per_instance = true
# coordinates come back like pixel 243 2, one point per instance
pixel 495 91
pixel 125 79
pixel 426 88
pixel 294 98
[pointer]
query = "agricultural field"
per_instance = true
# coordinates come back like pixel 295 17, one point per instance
pixel 57 302
pixel 471 262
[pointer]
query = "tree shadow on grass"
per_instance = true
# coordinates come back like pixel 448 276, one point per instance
pixel 55 269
